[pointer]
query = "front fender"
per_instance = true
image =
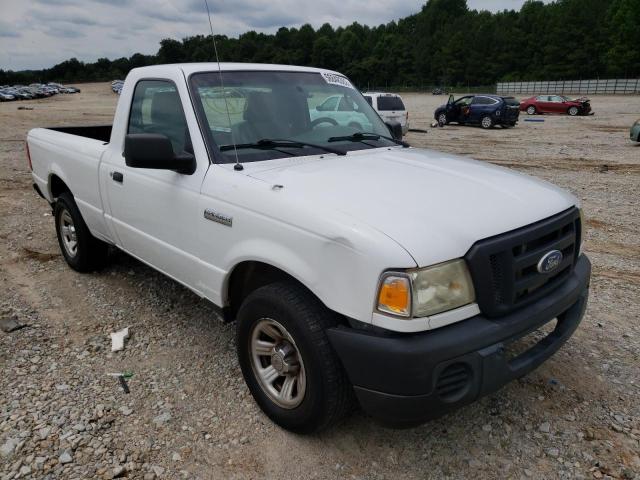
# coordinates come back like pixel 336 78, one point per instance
pixel 329 268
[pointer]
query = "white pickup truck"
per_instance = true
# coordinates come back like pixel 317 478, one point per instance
pixel 358 269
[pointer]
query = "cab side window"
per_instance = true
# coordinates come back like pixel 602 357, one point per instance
pixel 156 108
pixel 483 101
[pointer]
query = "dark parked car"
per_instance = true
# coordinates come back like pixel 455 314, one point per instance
pixel 483 110
pixel 556 104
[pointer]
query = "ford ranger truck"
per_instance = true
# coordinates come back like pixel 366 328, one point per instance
pixel 358 270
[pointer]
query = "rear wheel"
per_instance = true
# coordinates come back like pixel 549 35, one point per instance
pixel 287 361
pixel 531 110
pixel 82 251
pixel 487 122
pixel 573 111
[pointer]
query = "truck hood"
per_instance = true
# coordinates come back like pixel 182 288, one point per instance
pixel 433 204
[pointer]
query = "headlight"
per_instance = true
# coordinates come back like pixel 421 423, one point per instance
pixel 426 292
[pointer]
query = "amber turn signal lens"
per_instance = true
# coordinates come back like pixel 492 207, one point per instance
pixel 395 296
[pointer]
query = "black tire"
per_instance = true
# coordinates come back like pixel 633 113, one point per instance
pixel 91 253
pixel 531 110
pixel 573 111
pixel 441 118
pixel 328 395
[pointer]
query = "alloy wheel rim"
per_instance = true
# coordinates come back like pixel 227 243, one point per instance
pixel 277 364
pixel 442 119
pixel 486 122
pixel 531 110
pixel 573 111
pixel 68 233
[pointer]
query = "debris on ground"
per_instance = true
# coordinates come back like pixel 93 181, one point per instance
pixel 122 378
pixel 10 324
pixel 118 338
pixel 40 256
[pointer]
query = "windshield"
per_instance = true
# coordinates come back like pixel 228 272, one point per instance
pixel 310 110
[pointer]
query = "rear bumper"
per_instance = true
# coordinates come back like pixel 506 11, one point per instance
pixel 405 380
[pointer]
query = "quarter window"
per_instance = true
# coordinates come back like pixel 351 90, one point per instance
pixel 156 108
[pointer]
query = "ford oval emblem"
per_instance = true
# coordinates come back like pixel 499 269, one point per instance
pixel 550 261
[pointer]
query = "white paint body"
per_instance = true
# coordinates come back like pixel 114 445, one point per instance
pixel 336 225
pixel 400 116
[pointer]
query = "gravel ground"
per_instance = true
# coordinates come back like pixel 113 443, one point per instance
pixel 189 414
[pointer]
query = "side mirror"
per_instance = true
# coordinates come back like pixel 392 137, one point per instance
pixel 153 150
pixel 396 130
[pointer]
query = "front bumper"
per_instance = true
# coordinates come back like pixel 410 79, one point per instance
pixel 405 380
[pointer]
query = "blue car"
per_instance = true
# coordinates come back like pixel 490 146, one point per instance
pixel 483 110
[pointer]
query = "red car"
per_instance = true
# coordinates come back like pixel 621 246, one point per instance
pixel 555 104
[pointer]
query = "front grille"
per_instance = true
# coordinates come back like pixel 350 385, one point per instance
pixel 504 267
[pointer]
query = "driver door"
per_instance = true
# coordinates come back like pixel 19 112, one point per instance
pixel 557 104
pixel 155 213
pixel 452 115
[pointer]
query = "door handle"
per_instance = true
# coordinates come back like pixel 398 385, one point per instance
pixel 117 177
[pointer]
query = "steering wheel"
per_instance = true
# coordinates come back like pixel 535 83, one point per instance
pixel 320 120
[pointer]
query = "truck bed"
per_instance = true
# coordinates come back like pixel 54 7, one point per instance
pixel 72 154
pixel 96 132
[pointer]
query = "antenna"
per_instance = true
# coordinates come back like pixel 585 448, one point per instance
pixel 238 166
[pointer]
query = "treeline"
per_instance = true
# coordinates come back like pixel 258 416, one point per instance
pixel 444 44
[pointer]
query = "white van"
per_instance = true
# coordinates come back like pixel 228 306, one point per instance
pixel 390 107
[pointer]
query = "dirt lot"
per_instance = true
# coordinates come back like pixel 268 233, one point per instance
pixel 189 414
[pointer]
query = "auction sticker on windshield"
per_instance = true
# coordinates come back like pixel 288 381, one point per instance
pixel 334 79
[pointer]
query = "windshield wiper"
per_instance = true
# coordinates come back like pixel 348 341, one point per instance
pixel 270 144
pixel 361 136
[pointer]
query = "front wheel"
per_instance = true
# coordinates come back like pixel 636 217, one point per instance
pixel 286 359
pixel 573 111
pixel 487 122
pixel 442 119
pixel 82 251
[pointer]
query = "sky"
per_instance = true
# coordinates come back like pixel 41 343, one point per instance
pixel 37 34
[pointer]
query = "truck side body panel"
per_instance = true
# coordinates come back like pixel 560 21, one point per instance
pixel 75 160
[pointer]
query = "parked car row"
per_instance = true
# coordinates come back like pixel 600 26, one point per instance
pixel 35 90
pixel 117 85
pixel 490 110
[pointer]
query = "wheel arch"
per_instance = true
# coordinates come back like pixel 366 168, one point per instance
pixel 57 186
pixel 249 275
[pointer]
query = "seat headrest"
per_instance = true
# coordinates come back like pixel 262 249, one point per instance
pixel 260 108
